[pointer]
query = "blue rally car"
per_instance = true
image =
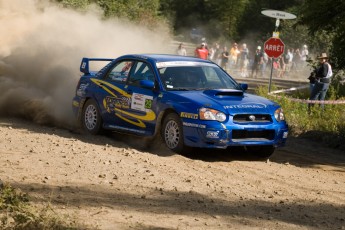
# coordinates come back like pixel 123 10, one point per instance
pixel 191 102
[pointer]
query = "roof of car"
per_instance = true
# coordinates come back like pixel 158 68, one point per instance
pixel 164 57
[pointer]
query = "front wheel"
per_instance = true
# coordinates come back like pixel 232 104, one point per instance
pixel 91 118
pixel 172 133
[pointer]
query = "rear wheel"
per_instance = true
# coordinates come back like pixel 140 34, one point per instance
pixel 262 152
pixel 172 133
pixel 91 118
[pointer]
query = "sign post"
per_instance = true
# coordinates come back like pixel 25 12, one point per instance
pixel 274 47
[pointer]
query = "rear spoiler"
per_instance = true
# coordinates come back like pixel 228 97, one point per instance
pixel 85 66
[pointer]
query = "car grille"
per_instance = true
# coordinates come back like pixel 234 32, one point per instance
pixel 249 118
pixel 253 135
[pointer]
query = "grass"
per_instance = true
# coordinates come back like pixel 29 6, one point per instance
pixel 16 212
pixel 323 125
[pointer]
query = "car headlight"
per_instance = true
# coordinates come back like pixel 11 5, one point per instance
pixel 211 115
pixel 279 115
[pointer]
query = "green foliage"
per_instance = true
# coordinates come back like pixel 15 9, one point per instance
pixel 217 19
pixel 76 4
pixel 327 16
pixel 320 24
pixel 16 213
pixel 326 125
pixel 338 85
pixel 143 12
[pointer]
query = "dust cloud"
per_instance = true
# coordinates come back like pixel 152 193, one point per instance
pixel 42 45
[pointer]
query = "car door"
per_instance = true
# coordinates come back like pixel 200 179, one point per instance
pixel 141 114
pixel 113 98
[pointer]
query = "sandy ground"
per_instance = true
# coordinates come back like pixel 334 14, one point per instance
pixel 110 182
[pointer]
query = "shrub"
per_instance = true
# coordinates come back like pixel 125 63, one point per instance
pixel 326 125
pixel 17 213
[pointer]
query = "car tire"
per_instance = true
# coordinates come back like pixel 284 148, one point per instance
pixel 91 118
pixel 172 133
pixel 261 152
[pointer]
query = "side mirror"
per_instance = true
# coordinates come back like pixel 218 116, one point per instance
pixel 244 86
pixel 148 84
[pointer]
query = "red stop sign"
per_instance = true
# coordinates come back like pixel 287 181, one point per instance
pixel 274 47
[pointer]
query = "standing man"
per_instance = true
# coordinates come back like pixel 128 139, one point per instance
pixel 234 51
pixel 201 51
pixel 257 63
pixel 244 60
pixel 323 79
pixel 304 53
pixel 304 57
pixel 225 58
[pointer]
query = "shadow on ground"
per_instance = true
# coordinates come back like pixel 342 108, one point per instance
pixel 303 213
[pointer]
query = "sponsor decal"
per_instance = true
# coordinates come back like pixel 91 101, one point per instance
pixel 141 102
pixel 121 100
pixel 212 134
pixel 110 103
pixel 189 115
pixel 81 89
pixel 75 103
pixel 148 104
pixel 194 125
pixel 246 106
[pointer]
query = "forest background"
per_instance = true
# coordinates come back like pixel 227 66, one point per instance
pixel 319 24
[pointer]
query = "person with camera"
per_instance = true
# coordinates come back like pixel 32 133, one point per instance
pixel 322 80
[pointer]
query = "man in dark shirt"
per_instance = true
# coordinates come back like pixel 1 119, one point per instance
pixel 258 60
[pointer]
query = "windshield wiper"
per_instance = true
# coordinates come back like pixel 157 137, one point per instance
pixel 180 89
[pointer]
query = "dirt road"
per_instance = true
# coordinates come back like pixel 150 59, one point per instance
pixel 108 182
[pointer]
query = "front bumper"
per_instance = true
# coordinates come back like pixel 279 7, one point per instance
pixel 218 135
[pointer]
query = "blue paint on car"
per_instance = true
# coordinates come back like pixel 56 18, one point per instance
pixel 189 101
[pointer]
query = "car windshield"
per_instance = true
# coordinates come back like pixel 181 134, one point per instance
pixel 194 76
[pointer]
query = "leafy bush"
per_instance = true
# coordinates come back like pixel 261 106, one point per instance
pixel 326 125
pixel 17 213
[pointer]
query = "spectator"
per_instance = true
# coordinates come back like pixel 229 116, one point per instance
pixel 181 50
pixel 304 56
pixel 288 60
pixel 296 60
pixel 323 79
pixel 234 51
pixel 264 63
pixel 258 60
pixel 282 66
pixel 212 52
pixel 225 58
pixel 304 53
pixel 244 60
pixel 201 51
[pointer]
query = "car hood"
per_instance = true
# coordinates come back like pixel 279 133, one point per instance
pixel 227 100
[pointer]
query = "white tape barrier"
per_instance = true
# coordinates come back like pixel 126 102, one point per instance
pixel 306 101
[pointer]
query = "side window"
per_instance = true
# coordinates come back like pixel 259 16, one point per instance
pixel 141 71
pixel 120 71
